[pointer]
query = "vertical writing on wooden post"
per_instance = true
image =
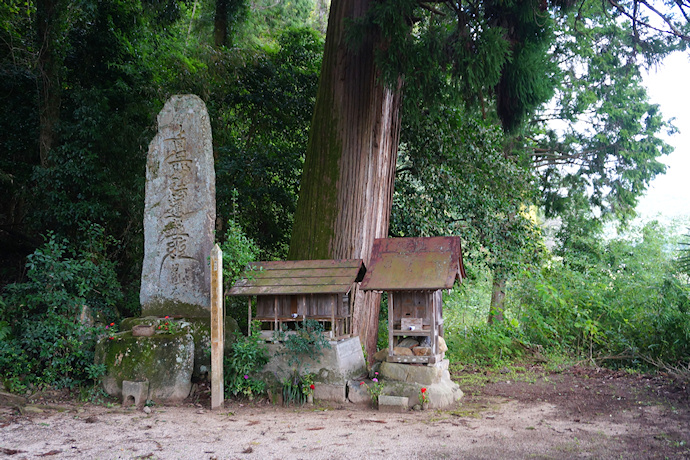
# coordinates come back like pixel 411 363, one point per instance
pixel 217 334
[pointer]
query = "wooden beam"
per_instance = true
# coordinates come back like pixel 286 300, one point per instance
pixel 217 335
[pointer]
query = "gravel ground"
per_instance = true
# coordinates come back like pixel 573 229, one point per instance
pixel 578 413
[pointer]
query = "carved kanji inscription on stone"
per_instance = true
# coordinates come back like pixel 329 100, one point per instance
pixel 180 211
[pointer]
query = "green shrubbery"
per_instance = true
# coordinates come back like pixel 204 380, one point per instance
pixel 248 355
pixel 238 251
pixel 625 305
pixel 51 322
pixel 307 341
pixel 629 306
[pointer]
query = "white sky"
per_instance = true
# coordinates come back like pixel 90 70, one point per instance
pixel 668 197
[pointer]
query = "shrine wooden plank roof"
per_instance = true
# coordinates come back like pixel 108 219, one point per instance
pixel 404 264
pixel 299 277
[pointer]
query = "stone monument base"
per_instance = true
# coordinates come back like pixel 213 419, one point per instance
pixel 200 328
pixel 166 361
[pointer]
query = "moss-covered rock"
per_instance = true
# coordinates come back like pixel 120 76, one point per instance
pixel 200 328
pixel 165 360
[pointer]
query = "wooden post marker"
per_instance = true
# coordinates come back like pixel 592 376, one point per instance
pixel 217 321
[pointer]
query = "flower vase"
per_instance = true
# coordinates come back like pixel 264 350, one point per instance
pixel 310 399
pixel 425 405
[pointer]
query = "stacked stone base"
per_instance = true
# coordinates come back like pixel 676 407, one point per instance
pixel 406 381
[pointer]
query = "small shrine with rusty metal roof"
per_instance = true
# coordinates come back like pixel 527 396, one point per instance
pixel 414 272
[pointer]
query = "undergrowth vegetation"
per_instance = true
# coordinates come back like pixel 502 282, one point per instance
pixel 247 357
pixel 626 305
pixel 52 320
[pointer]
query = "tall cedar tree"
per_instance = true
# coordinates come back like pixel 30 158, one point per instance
pixel 347 182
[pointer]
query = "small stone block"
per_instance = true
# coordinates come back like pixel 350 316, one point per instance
pixel 357 394
pixel 134 393
pixel 381 355
pixel 393 403
pixel 402 351
pixel 421 351
pixel 329 392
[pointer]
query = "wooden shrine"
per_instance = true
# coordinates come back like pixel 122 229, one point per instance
pixel 291 291
pixel 414 271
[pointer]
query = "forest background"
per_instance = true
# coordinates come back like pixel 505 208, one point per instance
pixel 524 128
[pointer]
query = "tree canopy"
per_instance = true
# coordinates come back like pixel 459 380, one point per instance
pixel 439 117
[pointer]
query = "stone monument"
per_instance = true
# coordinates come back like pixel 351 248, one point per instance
pixel 179 213
pixel 179 218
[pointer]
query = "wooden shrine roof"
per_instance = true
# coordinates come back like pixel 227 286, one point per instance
pixel 299 277
pixel 413 264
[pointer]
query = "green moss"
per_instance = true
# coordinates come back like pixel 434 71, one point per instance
pixel 200 329
pixel 169 307
pixel 169 226
pixel 165 360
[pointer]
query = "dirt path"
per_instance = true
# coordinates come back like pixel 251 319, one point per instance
pixel 575 414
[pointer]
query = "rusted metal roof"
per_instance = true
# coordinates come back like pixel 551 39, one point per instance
pixel 403 264
pixel 299 277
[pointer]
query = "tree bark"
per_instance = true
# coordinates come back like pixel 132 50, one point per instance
pixel 220 24
pixel 498 295
pixel 347 181
pixel 48 76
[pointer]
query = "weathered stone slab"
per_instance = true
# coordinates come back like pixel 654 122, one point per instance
pixel 408 380
pixel 344 360
pixel 329 392
pixel 393 403
pixel 423 375
pixel 180 212
pixel 135 393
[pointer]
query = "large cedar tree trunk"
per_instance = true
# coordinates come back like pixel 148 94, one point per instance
pixel 347 182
